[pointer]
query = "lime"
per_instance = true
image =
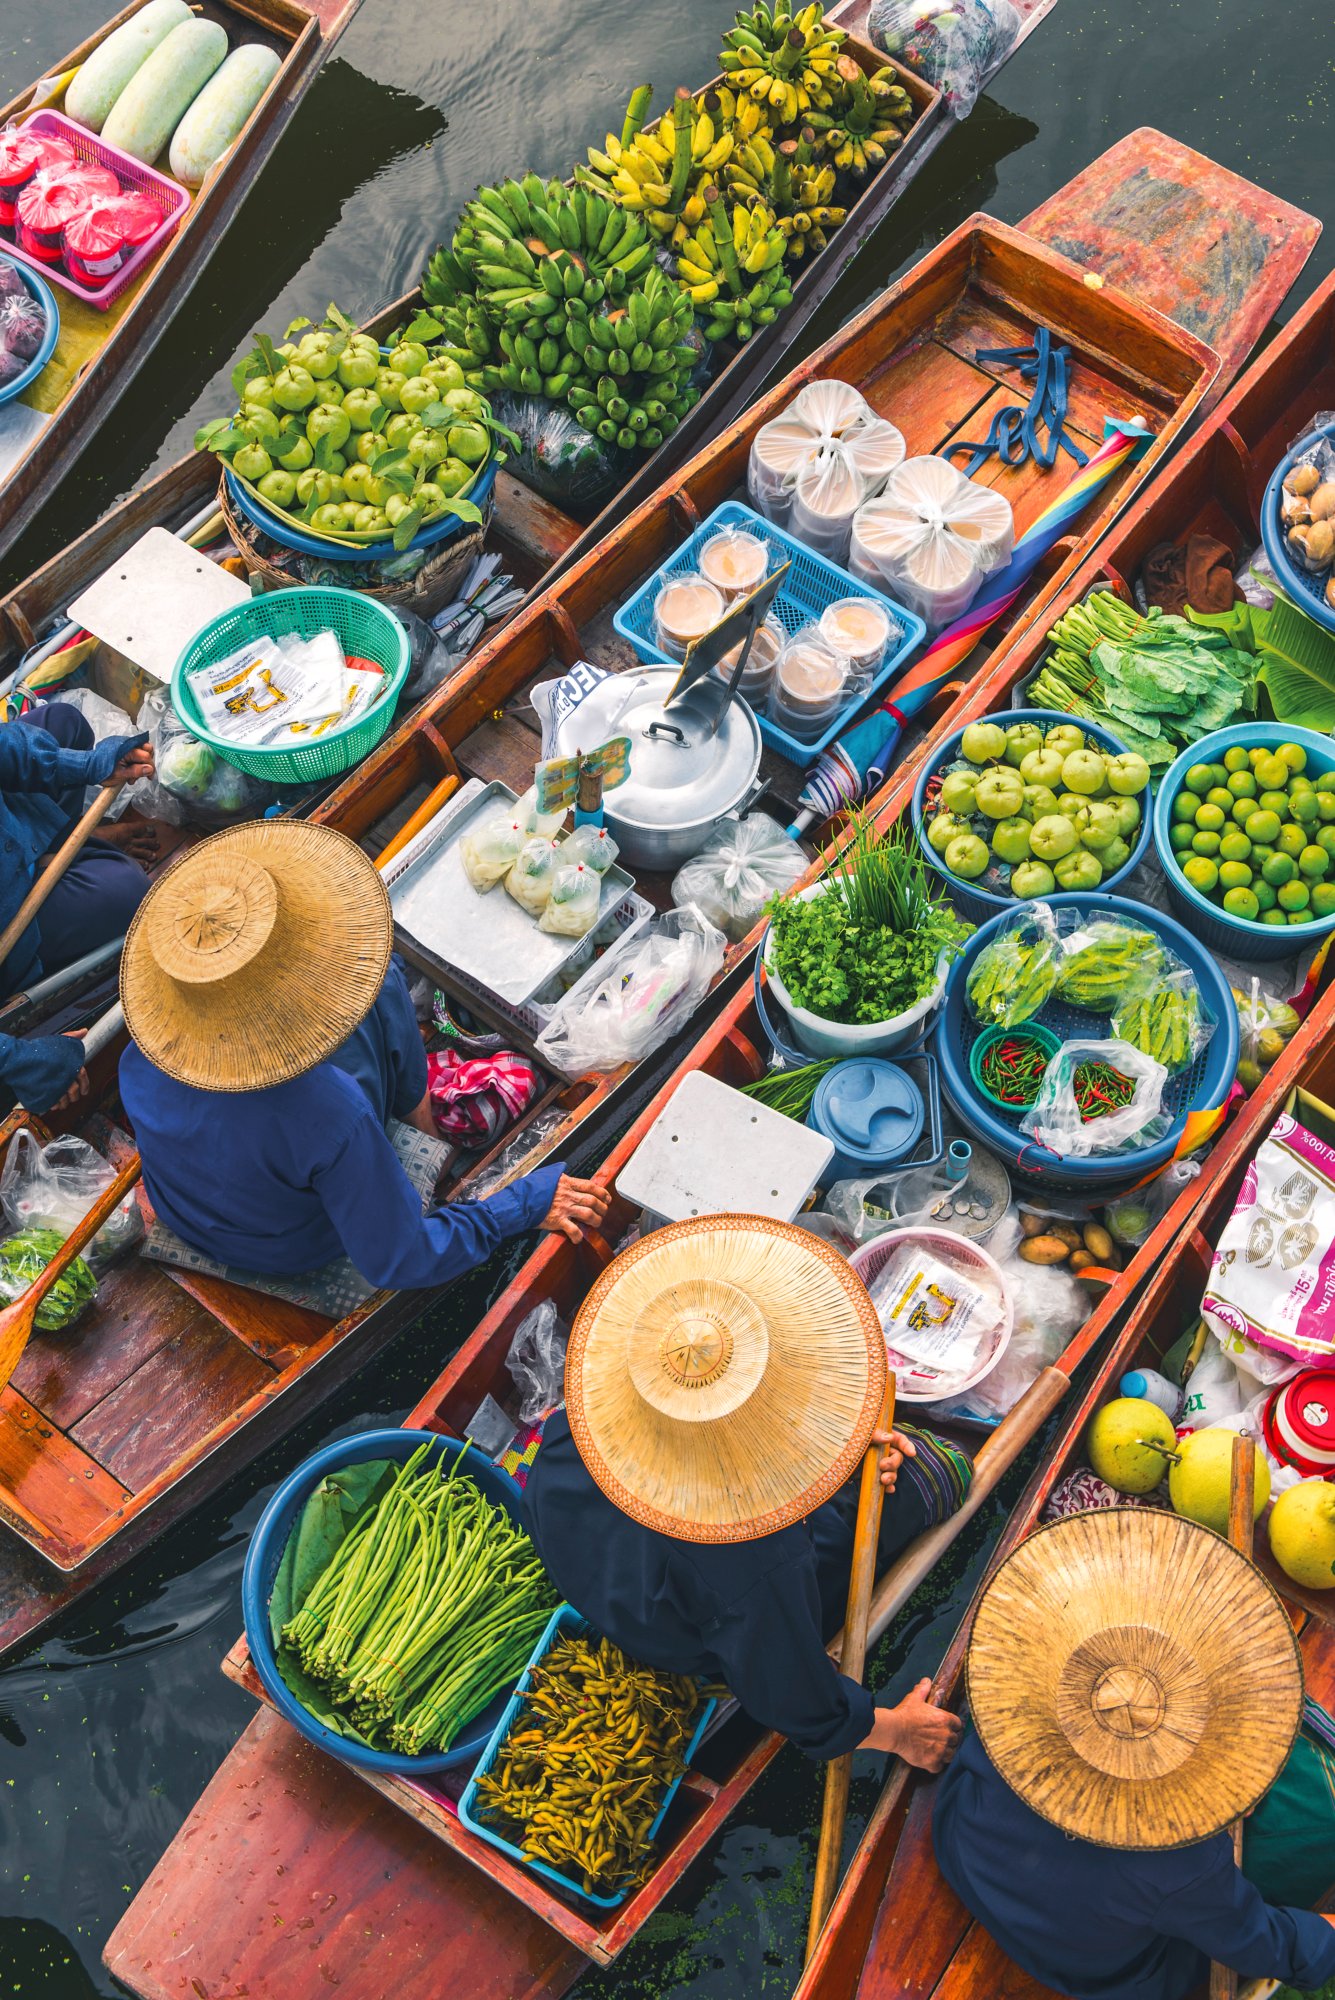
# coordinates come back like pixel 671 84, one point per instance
pixel 1325 805
pixel 1202 874
pixel 1299 917
pixel 1256 753
pixel 1235 759
pixel 1264 894
pixel 1294 896
pixel 1303 809
pixel 1271 772
pixel 1180 836
pixel 1323 899
pixel 1242 784
pixel 1261 852
pixel 1324 781
pixel 1206 843
pixel 1198 779
pixel 1234 846
pixel 1241 902
pixel 1209 818
pixel 1184 807
pixel 1313 862
pixel 1275 802
pixel 1278 870
pixel 1325 837
pixel 1262 826
pixel 1219 795
pixel 1235 875
pixel 1294 756
pixel 1273 917
pixel 1241 811
pixel 1220 774
pixel 1291 839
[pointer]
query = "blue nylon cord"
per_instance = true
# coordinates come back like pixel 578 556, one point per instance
pixel 1014 436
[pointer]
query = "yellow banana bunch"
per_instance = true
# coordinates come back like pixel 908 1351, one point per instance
pixel 785 61
pixel 867 120
pixel 660 170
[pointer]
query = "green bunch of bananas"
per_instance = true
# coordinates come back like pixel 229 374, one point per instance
pixel 785 61
pixel 732 267
pixel 865 122
pixel 634 387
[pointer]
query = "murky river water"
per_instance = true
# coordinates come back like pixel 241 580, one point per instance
pixel 111 1726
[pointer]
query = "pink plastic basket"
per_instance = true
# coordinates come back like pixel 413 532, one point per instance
pixel 912 1383
pixel 172 199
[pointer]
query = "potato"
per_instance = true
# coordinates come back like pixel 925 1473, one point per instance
pixel 1066 1233
pixel 1044 1250
pixel 1082 1259
pixel 1099 1241
pixel 1031 1225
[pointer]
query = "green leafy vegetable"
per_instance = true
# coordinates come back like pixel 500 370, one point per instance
pixel 24 1257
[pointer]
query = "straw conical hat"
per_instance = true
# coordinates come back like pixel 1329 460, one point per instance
pixel 724 1377
pixel 255 956
pixel 1134 1678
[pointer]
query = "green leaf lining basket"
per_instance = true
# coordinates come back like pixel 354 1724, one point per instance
pixel 363 627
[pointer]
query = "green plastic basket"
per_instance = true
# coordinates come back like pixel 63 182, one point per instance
pixel 1030 1031
pixel 363 627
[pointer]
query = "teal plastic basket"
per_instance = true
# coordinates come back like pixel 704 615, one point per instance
pixel 362 627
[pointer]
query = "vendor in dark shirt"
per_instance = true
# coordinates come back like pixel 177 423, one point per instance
pixel 273 1038
pixel 1135 1686
pixel 693 1499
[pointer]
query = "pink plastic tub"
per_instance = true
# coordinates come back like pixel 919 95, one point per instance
pixel 172 199
pixel 914 1384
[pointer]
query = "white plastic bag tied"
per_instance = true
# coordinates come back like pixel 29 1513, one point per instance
pixel 831 420
pixel 930 538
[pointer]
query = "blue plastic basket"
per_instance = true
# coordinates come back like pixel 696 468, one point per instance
pixel 980 904
pixel 1235 936
pixel 247 502
pixel 1201 1088
pixel 1308 592
pixel 564 1619
pixel 810 587
pixel 46 299
pixel 265 1554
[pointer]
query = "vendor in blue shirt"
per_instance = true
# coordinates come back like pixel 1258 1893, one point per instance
pixel 273 1037
pixel 47 759
pixel 1117 1734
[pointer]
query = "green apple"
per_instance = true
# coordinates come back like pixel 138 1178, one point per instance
pixel 1070 803
pixel 328 519
pixel 294 387
pixel 417 394
pixel 1085 772
pixel 469 442
pixel 262 427
pixel 357 369
pixel 1129 774
pixel 465 405
pixel 314 356
pixel 1127 815
pixel 1115 855
pixel 1000 792
pixel 409 358
pixel 278 488
pixel 329 423
pixel 1096 825
pixel 396 506
pixel 427 448
pixel 317 486
pixel 1038 800
pixel 329 395
pixel 371 520
pixel 1033 878
pixel 1064 736
pixel 430 498
pixel 252 462
pixel 983 742
pixel 297 456
pixel 453 475
pixel 389 387
pixel 1021 739
pixel 957 791
pixel 399 429
pixel 364 409
pixel 1042 767
pixel 1053 836
pixel 257 394
pixel 356 482
pixel 945 828
pixel 1080 870
pixel 444 372
pixel 966 856
pixel 1010 840
pixel 370 445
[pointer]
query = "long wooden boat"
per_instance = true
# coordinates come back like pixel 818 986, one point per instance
pixel 84 1403
pixel 381 1861
pixel 98 352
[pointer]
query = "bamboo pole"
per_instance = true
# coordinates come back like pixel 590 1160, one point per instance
pixel 54 869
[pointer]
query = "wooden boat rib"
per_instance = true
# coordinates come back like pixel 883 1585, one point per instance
pixel 98 352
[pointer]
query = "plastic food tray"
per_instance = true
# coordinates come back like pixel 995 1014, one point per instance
pixel 810 587
pixel 169 195
pixel 1307 591
pixel 46 299
pixel 564 1619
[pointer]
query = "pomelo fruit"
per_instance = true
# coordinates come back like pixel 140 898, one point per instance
pixel 1198 1483
pixel 1302 1533
pixel 1121 1441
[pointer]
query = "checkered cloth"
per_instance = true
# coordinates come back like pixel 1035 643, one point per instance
pixel 473 1100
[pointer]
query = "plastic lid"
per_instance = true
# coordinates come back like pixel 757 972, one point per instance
pixel 869 1108
pixel 96 232
pixel 1301 1418
pixel 138 215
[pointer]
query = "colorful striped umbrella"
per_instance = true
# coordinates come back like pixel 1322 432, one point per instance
pixel 859 763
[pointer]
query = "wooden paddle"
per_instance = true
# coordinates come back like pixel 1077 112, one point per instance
pixel 1241 1530
pixel 852 1659
pixel 16 1321
pixel 54 869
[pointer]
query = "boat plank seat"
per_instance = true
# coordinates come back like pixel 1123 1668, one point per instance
pixel 907 1956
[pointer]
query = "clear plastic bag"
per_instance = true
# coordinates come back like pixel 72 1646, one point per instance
pixel 954 44
pixel 822 416
pixel 592 845
pixel 1013 977
pixel 1307 506
pixel 741 865
pixel 1104 958
pixel 536 822
pixel 1265 1027
pixel 930 537
pixel 532 874
pixel 811 684
pixel 1050 1306
pixel 191 784
pixel 1056 1121
pixel 557 457
pixel 489 846
pixel 685 609
pixel 24 1257
pixel 858 629
pixel 827 493
pixel 647 986
pixel 54 1186
pixel 572 907
pixel 861 1210
pixel 1132 1216
pixel 536 1361
pixel 1163 1018
pixel 735 562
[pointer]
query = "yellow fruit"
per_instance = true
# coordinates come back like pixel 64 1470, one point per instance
pixel 1302 1534
pixel 1198 1483
pixel 1121 1440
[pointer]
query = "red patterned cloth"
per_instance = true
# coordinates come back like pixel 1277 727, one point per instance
pixel 1083 1492
pixel 474 1100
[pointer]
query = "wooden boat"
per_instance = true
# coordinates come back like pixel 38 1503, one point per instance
pixel 98 352
pixel 271 1368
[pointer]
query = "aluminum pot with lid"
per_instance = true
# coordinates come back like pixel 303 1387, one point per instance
pixel 683 778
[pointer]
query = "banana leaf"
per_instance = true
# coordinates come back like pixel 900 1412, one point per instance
pixel 328 1517
pixel 1297 668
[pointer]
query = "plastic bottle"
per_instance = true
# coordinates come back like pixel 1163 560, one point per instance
pixel 1151 1387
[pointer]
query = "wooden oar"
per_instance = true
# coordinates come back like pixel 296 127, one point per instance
pixel 1241 1532
pixel 839 1770
pixel 16 1321
pixel 54 869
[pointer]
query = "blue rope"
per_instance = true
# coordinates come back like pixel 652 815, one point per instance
pixel 1014 436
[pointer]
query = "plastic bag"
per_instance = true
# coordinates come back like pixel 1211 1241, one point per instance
pixel 1131 1217
pixel 535 822
pixel 930 538
pixel 1267 1298
pixel 735 561
pixel 647 986
pixel 954 44
pixel 861 1210
pixel 1055 1119
pixel 592 845
pixel 22 326
pixel 572 907
pixel 1163 1018
pixel 1265 1027
pixel 811 684
pixel 532 874
pixel 431 662
pixel 536 1361
pixel 741 865
pixel 1013 977
pixel 54 1186
pixel 827 493
pixel 24 1257
pixel 557 457
pixel 821 415
pixel 1104 958
pixel 859 629
pixel 685 609
pixel 191 783
pixel 519 1157
pixel 489 846
pixel 1307 507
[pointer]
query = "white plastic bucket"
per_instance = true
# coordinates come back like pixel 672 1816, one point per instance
pixel 820 1037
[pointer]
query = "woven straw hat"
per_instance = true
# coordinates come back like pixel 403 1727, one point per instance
pixel 255 956
pixel 1134 1678
pixel 724 1377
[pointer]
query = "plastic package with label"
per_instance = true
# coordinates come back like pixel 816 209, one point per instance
pixel 1267 1298
pixel 54 1186
pixel 930 537
pixel 822 416
pixel 648 985
pixel 1069 1115
pixel 741 865
pixel 1050 1306
pixel 954 44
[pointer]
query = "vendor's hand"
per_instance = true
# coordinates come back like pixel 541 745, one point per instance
pixel 133 765
pixel 918 1731
pixel 79 1087
pixel 900 1448
pixel 576 1203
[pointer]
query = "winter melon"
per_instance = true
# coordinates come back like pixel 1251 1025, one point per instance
pixel 100 81
pixel 220 111
pixel 156 98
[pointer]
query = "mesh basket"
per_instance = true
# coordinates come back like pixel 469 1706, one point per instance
pixel 172 199
pixel 362 627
